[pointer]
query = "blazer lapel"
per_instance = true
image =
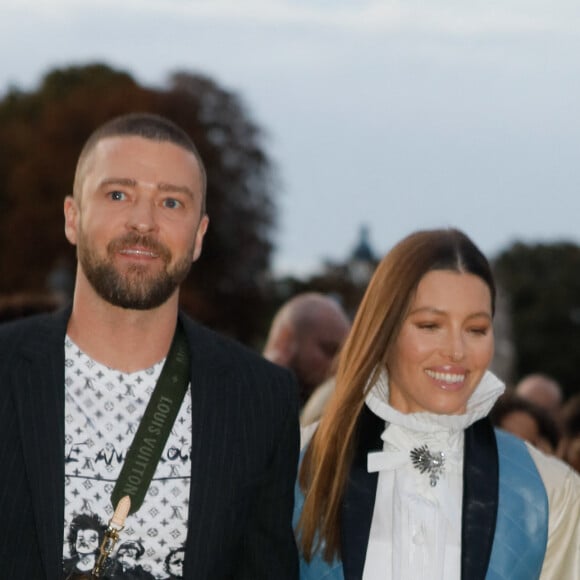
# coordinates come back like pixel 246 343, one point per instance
pixel 359 499
pixel 480 499
pixel 39 394
pixel 209 433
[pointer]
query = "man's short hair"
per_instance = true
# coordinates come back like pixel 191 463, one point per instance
pixel 147 126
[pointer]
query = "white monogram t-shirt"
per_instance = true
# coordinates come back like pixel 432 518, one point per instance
pixel 103 408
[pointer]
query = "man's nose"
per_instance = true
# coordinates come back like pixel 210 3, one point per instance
pixel 142 216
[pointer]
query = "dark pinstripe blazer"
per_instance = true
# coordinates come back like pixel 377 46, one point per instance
pixel 244 457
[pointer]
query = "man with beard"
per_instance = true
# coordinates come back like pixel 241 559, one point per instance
pixel 121 404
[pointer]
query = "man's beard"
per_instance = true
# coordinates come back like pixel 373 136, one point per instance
pixel 134 288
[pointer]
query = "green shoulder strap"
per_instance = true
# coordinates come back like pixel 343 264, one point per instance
pixel 155 426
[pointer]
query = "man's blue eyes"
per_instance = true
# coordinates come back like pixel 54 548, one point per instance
pixel 117 195
pixel 169 203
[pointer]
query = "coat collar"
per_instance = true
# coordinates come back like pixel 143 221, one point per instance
pixel 480 499
pixel 39 396
pixel 359 497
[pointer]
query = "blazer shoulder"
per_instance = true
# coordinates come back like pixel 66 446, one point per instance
pixel 30 330
pixel 227 353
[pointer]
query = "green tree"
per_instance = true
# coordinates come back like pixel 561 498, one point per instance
pixel 41 134
pixel 542 284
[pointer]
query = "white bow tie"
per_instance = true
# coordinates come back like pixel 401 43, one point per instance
pixel 392 460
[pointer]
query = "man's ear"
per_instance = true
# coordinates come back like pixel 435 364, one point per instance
pixel 71 219
pixel 286 346
pixel 201 229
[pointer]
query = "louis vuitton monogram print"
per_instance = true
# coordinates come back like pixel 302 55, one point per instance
pixel 103 408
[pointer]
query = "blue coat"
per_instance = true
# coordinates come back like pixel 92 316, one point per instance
pixel 505 509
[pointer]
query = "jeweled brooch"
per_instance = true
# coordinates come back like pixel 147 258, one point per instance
pixel 425 461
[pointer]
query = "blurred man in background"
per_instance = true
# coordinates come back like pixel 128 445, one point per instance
pixel 305 336
pixel 541 390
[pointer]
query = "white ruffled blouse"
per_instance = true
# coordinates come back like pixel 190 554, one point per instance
pixel 416 526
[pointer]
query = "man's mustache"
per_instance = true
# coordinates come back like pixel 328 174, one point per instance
pixel 132 239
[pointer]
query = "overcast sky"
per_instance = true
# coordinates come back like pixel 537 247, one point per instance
pixel 398 115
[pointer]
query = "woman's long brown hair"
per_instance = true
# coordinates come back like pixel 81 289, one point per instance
pixel 326 463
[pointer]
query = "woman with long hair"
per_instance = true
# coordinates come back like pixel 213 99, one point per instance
pixel 404 477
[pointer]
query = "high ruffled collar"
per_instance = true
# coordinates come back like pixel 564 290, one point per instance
pixel 478 406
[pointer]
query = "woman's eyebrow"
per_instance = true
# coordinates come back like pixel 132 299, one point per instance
pixel 437 311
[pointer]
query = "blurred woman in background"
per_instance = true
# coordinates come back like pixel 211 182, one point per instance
pixel 527 421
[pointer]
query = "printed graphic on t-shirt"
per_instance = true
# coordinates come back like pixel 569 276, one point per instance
pixel 103 408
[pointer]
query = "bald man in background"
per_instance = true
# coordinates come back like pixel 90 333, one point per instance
pixel 541 390
pixel 305 336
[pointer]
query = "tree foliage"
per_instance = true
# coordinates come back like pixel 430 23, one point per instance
pixel 41 134
pixel 542 282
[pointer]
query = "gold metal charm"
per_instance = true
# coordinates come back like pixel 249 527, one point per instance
pixel 116 525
